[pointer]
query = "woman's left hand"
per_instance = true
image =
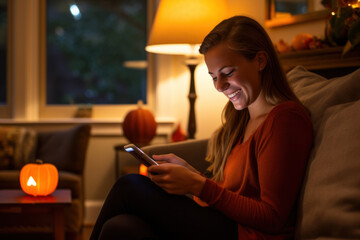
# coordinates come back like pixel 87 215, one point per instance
pixel 176 179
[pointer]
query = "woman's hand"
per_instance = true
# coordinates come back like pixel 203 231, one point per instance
pixel 172 158
pixel 176 179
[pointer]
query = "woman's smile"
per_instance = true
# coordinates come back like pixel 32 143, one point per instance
pixel 232 95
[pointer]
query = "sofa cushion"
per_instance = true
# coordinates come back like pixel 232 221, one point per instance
pixel 329 206
pixel 318 93
pixel 66 149
pixel 17 147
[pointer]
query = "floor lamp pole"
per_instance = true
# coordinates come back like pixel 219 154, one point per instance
pixel 192 97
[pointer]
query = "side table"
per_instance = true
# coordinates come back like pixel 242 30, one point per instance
pixel 18 200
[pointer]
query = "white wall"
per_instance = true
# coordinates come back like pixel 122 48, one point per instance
pixel 172 95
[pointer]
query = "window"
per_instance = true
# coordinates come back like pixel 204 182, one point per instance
pixel 289 7
pixel 95 52
pixel 5 100
pixel 3 52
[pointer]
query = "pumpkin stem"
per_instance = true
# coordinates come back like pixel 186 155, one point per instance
pixel 38 161
pixel 140 103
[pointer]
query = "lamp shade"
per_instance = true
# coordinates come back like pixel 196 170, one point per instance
pixel 180 26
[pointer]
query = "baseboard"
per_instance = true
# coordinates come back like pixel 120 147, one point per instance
pixel 92 210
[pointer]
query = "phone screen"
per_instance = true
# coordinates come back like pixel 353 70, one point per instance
pixel 140 155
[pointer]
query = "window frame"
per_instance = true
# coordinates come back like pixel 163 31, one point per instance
pixel 6 110
pixel 99 111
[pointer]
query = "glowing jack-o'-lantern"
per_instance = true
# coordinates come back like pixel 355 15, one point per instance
pixel 38 179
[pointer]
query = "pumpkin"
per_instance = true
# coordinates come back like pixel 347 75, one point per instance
pixel 139 126
pixel 301 41
pixel 39 179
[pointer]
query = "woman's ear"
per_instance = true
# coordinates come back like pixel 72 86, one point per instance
pixel 261 58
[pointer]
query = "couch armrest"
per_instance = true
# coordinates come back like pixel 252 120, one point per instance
pixel 193 151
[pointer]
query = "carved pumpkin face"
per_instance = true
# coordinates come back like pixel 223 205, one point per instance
pixel 38 179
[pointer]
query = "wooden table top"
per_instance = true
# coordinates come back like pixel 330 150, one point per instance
pixel 14 197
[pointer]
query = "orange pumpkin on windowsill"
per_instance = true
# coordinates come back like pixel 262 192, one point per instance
pixel 139 126
pixel 39 179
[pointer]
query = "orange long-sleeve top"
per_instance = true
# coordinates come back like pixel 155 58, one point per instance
pixel 263 175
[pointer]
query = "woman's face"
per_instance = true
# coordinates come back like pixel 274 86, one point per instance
pixel 234 75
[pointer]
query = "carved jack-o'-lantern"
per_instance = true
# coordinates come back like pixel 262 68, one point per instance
pixel 39 179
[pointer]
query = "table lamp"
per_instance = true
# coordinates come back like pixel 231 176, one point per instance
pixel 179 28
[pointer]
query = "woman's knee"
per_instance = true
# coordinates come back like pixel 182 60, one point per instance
pixel 129 181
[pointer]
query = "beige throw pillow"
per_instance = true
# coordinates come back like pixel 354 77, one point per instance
pixel 329 204
pixel 318 93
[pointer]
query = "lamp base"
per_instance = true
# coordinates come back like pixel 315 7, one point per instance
pixel 192 63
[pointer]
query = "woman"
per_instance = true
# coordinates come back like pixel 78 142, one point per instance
pixel 258 156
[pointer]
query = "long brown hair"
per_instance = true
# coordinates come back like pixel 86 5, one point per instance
pixel 246 37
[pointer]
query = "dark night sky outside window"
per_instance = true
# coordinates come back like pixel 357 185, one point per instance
pixel 3 39
pixel 87 48
pixel 291 6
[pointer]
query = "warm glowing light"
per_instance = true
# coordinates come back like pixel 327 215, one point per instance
pixel 180 26
pixel 38 179
pixel 143 170
pixel 333 13
pixel 31 182
pixel 75 11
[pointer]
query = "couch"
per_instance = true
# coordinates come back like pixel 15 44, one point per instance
pixel 66 149
pixel 329 202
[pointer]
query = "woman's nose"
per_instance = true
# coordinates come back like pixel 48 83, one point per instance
pixel 221 84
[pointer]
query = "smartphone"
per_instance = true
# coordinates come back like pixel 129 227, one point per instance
pixel 140 155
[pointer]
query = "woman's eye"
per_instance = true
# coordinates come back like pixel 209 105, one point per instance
pixel 230 73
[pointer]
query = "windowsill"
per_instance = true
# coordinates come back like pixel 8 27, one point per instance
pixel 159 120
pixel 100 127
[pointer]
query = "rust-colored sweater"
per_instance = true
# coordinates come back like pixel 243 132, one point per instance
pixel 263 175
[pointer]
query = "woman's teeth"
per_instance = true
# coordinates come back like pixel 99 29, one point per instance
pixel 233 94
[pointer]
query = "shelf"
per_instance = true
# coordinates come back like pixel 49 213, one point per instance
pixel 324 59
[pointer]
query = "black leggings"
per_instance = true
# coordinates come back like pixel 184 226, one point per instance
pixel 136 208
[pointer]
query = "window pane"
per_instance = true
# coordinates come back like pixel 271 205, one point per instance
pixel 88 44
pixel 292 7
pixel 3 37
